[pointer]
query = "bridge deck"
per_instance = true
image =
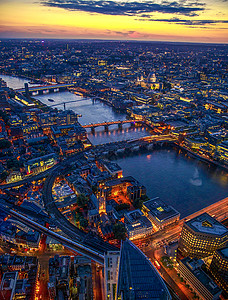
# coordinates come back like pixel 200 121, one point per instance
pixel 112 122
pixel 45 87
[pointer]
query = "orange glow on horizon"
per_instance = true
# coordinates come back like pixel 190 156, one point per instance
pixel 39 21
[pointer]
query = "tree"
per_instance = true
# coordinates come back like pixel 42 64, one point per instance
pixel 5 144
pixel 82 200
pixel 14 164
pixel 83 222
pixel 4 175
pixel 119 231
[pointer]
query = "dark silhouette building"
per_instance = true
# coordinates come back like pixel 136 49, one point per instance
pixel 137 277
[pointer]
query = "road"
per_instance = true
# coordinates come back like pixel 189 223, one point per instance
pixel 94 253
pixel 98 282
pixel 166 276
pixel 67 227
pixel 218 210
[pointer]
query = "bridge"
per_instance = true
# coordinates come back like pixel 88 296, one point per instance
pixel 107 124
pixel 64 103
pixel 95 254
pixel 45 89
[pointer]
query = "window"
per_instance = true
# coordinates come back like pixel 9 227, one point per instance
pixel 109 275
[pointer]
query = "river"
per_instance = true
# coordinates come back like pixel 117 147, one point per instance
pixel 95 112
pixel 15 82
pixel 185 183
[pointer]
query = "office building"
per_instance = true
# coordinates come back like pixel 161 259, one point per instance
pixel 137 277
pixel 201 236
pixel 111 266
pixel 159 213
pixel 200 282
pixel 137 225
pixel 219 268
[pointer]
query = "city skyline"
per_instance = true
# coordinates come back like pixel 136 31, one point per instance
pixel 113 170
pixel 174 21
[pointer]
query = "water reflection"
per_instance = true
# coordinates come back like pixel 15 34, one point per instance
pixel 168 174
pixel 113 135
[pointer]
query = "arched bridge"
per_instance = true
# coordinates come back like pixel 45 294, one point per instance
pixel 107 124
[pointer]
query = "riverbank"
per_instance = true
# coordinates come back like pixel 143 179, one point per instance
pixel 204 159
pixel 186 183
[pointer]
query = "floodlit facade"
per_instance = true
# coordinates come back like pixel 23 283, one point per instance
pixel 159 213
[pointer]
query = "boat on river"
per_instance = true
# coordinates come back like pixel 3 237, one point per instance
pixel 51 100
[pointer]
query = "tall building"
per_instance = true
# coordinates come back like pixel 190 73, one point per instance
pixel 137 277
pixel 202 284
pixel 201 236
pixel 219 268
pixel 111 266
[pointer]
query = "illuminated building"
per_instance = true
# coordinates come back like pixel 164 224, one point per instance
pixel 74 132
pixel 142 99
pixel 135 191
pixel 23 100
pixel 159 213
pixel 129 186
pixel 113 168
pixel 13 176
pixel 219 268
pixel 20 277
pixel 40 164
pixel 102 205
pixel 222 151
pixel 111 265
pixel 137 277
pixel 137 224
pixel 202 284
pixel 201 236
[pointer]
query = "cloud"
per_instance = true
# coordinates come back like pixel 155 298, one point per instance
pixel 188 22
pixel 133 8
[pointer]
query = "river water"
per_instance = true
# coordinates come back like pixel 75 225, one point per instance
pixel 15 82
pixel 95 112
pixel 185 183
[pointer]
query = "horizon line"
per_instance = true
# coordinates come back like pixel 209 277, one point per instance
pixel 112 40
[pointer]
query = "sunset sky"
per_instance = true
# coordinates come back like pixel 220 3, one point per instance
pixel 158 20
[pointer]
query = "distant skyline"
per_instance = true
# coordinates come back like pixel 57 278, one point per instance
pixel 159 20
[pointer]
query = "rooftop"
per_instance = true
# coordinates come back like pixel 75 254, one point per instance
pixel 137 276
pixel 223 252
pixel 159 209
pixel 206 224
pixel 194 266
